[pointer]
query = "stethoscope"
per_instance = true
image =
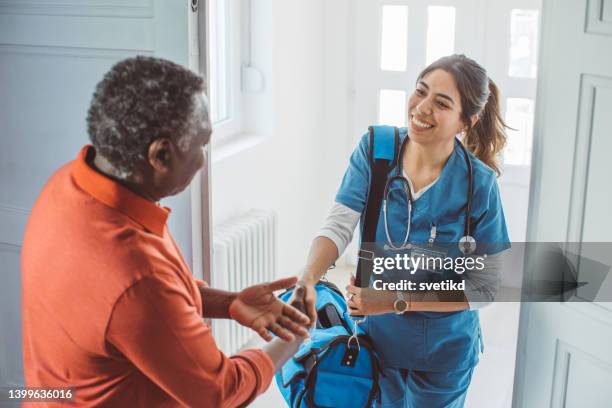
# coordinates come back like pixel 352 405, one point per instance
pixel 467 243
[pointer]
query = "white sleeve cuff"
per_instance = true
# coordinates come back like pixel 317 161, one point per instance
pixel 340 225
pixel 481 286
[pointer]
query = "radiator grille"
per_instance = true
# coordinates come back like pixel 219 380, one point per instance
pixel 244 253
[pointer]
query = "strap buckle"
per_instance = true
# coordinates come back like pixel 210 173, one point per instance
pixel 365 254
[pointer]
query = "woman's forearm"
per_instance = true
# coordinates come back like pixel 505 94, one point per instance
pixel 322 255
pixel 431 301
pixel 438 306
pixel 437 301
pixel 481 287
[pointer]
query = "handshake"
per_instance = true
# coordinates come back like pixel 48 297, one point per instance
pixel 256 307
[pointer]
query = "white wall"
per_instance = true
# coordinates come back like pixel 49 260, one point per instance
pixel 296 169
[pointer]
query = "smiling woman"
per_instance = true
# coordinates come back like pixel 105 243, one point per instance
pixel 453 95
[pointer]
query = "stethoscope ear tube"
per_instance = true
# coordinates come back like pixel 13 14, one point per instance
pixel 470 191
pixel 406 187
pixel 467 243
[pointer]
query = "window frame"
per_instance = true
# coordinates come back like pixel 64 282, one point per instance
pixel 231 126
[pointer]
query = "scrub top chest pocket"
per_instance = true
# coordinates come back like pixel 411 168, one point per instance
pixel 450 231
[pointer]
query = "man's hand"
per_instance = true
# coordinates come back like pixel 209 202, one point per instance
pixel 256 307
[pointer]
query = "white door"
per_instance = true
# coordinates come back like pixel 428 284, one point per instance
pixel 52 54
pixel 565 354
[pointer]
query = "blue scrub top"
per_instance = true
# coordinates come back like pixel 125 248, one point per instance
pixel 430 341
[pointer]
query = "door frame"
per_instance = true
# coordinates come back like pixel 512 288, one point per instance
pixel 202 185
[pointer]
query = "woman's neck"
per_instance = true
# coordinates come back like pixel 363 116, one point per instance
pixel 424 163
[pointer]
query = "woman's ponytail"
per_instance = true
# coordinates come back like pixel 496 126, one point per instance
pixel 487 137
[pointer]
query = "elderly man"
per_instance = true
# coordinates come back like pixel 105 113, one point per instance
pixel 110 308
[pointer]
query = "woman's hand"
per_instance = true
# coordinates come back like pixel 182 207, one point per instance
pixel 304 298
pixel 256 307
pixel 368 301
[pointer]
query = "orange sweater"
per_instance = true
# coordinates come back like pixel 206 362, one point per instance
pixel 110 308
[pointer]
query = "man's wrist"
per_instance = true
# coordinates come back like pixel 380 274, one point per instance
pixel 216 303
pixel 230 299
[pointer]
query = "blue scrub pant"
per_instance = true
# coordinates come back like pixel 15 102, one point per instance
pixel 403 388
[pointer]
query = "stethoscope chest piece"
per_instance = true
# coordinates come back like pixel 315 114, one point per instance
pixel 467 244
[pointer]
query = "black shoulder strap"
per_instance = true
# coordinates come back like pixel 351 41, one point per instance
pixel 380 167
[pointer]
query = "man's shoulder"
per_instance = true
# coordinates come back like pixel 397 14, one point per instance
pixel 70 231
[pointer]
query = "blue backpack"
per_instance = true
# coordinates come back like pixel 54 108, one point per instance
pixel 337 367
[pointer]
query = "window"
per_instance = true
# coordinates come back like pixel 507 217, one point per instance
pixel 519 115
pixel 406 36
pixel 523 43
pixel 394 37
pixel 219 46
pixel 392 107
pixel 440 32
pixel 521 70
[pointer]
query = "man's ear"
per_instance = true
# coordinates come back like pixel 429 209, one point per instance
pixel 159 154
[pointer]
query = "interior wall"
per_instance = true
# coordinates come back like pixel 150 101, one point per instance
pixel 295 169
pixel 339 97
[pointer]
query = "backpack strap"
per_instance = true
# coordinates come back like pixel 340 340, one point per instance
pixel 384 146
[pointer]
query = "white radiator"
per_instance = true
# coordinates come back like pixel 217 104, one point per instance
pixel 244 253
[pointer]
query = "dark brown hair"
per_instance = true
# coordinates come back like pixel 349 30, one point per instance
pixel 479 96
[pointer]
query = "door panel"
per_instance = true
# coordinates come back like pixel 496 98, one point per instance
pixel 52 54
pixel 580 375
pixel 564 357
pixel 597 93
